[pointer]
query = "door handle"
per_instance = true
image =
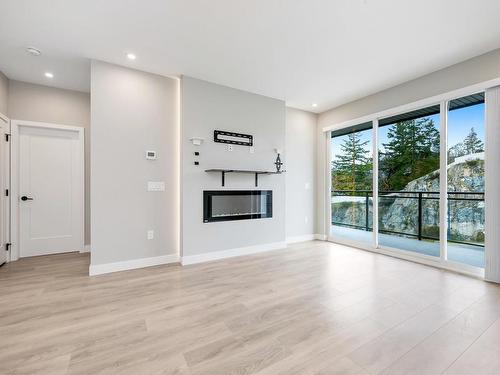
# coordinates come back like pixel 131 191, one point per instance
pixel 25 198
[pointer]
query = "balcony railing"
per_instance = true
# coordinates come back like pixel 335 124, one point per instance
pixel 421 197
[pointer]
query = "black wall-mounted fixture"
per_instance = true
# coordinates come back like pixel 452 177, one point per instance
pixel 225 171
pixel 221 136
pixel 226 205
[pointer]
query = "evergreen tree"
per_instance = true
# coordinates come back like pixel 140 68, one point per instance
pixel 412 151
pixel 352 168
pixel 472 143
pixel 430 135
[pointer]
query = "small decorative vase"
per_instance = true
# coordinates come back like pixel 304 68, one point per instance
pixel 278 164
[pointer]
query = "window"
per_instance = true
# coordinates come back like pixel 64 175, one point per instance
pixel 465 179
pixel 408 175
pixel 411 196
pixel 351 173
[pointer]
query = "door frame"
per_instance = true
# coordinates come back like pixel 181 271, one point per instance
pixel 15 126
pixel 6 213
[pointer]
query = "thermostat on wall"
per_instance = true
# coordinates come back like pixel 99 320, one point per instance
pixel 151 155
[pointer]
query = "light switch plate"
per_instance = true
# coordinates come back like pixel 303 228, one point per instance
pixel 156 186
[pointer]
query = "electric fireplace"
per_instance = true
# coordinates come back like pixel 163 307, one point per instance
pixel 226 205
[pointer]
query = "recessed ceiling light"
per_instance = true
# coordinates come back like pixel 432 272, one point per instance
pixel 49 75
pixel 33 51
pixel 315 105
pixel 131 56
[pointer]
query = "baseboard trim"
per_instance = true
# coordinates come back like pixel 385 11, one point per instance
pixel 86 249
pixel 230 253
pixel 321 237
pixel 303 238
pixel 99 269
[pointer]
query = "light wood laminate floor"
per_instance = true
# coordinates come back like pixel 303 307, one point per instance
pixel 313 308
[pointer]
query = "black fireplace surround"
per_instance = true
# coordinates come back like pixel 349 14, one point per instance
pixel 227 205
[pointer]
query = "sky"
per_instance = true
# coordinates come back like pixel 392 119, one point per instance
pixel 460 121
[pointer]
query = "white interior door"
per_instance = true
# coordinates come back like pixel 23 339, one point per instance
pixel 50 190
pixel 4 181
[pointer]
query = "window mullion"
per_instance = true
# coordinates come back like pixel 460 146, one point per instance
pixel 375 182
pixel 443 181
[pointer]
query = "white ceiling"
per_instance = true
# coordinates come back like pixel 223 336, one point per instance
pixel 304 51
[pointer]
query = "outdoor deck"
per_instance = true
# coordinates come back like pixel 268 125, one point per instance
pixel 460 253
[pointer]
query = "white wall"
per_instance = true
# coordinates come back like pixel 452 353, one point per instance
pixel 479 69
pixel 205 108
pixel 132 112
pixel 469 72
pixel 492 209
pixel 4 93
pixel 30 102
pixel 301 173
pixel 322 160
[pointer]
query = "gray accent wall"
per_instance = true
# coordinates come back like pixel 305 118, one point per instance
pixel 31 102
pixel 301 173
pixel 133 111
pixel 205 108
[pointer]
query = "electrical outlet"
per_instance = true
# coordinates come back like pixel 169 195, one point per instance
pixel 306 219
pixel 230 147
pixel 251 149
pixel 151 234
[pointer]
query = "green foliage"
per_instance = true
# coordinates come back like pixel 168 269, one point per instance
pixel 412 151
pixel 474 163
pixel 479 237
pixel 430 231
pixel 472 143
pixel 352 169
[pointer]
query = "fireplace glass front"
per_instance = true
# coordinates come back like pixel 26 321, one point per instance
pixel 225 205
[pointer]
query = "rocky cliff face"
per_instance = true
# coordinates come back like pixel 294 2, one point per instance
pixel 399 212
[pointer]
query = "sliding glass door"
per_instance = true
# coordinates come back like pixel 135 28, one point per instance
pixel 408 181
pixel 465 177
pixel 351 181
pixel 429 197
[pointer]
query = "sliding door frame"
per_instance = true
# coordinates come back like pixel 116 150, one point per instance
pixel 375 182
pixel 443 101
pixel 328 185
pixel 443 181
